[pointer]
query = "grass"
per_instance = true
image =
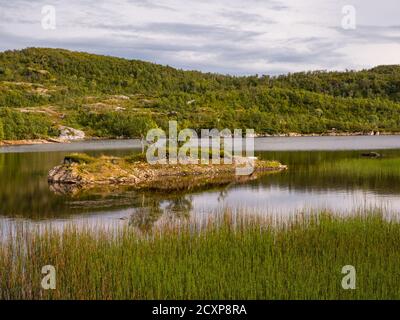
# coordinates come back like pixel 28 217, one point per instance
pixel 383 167
pixel 208 152
pixel 131 171
pixel 232 257
pixel 79 158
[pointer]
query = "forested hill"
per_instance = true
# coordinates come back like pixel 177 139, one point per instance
pixel 41 89
pixel 379 82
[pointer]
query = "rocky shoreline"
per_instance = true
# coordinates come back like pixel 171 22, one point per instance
pixel 4 143
pixel 329 134
pixel 105 171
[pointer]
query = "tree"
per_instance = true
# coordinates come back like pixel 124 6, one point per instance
pixel 1 130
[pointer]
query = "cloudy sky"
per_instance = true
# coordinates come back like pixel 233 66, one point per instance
pixel 227 36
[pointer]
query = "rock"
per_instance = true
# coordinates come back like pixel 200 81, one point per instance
pixel 64 188
pixel 160 177
pixel 371 155
pixel 62 174
pixel 121 97
pixel 243 160
pixel 55 140
pixel 374 133
pixel 67 133
pixel 42 71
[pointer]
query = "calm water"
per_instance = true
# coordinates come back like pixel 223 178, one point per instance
pixel 25 194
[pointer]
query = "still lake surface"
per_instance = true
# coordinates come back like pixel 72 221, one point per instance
pixel 26 196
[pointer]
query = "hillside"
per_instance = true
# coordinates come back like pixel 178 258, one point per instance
pixel 41 89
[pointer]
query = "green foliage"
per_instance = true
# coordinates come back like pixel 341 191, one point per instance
pixel 379 82
pixel 136 157
pixel 363 167
pixel 1 130
pixel 18 125
pixel 82 88
pixel 234 257
pixel 80 158
pixel 116 124
pixel 141 157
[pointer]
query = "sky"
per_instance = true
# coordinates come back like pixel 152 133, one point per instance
pixel 238 37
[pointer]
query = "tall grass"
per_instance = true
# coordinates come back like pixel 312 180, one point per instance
pixel 383 167
pixel 233 257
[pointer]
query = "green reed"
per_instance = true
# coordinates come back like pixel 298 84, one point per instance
pixel 384 167
pixel 234 256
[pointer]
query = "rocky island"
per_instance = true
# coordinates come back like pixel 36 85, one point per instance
pixel 80 171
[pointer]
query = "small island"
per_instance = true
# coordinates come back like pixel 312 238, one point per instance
pixel 84 172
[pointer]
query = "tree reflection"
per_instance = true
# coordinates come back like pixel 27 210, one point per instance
pixel 180 207
pixel 152 208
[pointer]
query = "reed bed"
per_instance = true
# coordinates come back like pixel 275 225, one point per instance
pixel 234 256
pixel 364 168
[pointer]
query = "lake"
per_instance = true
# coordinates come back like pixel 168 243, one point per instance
pixel 315 180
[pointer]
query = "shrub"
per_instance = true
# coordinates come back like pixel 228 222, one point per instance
pixel 1 130
pixel 115 124
pixel 79 158
pixel 138 157
pixel 141 157
pixel 18 125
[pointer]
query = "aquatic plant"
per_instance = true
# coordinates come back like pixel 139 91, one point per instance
pixel 231 256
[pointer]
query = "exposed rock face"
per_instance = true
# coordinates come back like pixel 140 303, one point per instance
pixel 67 133
pixel 64 174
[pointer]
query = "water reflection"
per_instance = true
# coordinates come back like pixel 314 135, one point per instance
pixel 313 181
pixel 178 206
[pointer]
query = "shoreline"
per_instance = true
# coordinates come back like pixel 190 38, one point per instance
pixel 27 142
pixel 328 134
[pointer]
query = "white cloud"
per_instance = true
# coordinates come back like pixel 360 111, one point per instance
pixel 235 36
pixel 365 55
